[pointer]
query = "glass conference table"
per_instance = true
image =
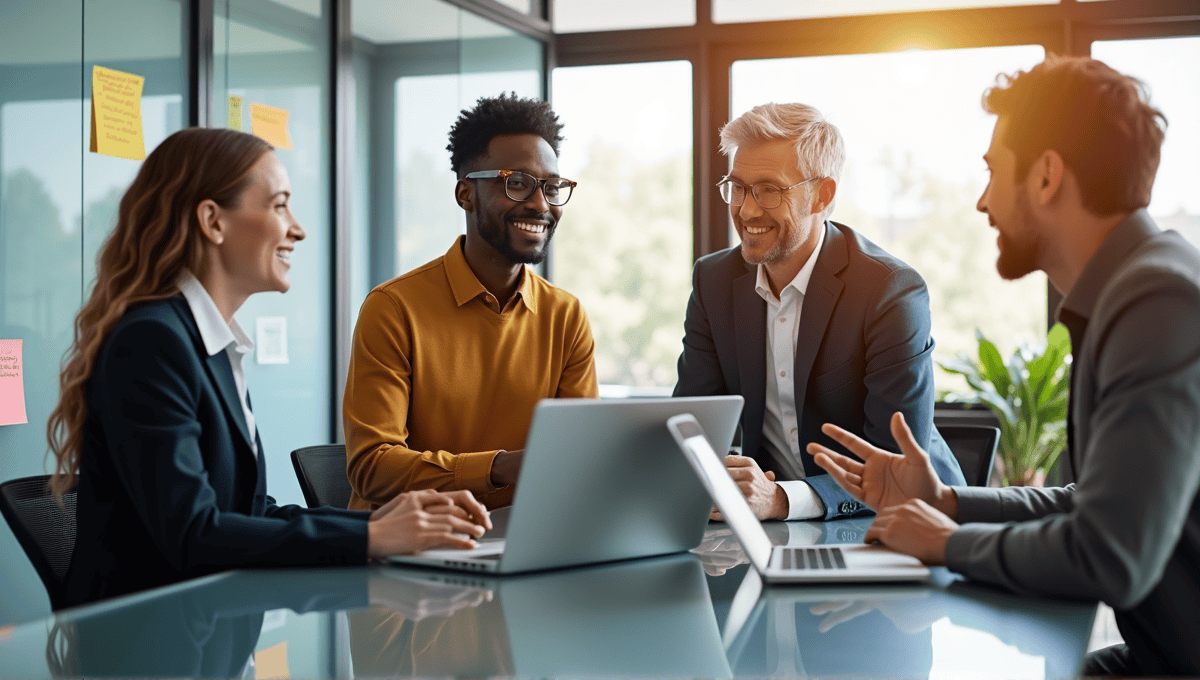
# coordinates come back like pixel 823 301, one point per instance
pixel 701 615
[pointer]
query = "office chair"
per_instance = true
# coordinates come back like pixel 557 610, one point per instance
pixel 322 474
pixel 974 446
pixel 43 528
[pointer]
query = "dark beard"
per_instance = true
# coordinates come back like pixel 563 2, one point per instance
pixel 498 237
pixel 1017 259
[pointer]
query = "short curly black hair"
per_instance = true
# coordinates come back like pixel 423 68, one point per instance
pixel 507 114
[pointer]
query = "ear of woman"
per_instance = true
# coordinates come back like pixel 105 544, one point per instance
pixel 208 215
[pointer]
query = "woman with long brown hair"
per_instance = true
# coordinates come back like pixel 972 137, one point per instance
pixel 154 425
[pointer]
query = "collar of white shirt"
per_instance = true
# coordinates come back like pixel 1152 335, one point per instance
pixel 763 286
pixel 216 334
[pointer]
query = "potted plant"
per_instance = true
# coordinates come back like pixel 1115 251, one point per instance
pixel 1028 394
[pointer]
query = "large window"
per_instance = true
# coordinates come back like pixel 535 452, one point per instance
pixel 915 135
pixel 624 246
pixel 1175 90
pixel 727 11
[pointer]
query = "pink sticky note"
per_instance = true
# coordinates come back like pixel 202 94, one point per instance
pixel 12 384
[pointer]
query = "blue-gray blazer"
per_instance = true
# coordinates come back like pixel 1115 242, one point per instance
pixel 863 352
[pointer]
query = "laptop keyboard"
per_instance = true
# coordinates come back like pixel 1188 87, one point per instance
pixel 814 559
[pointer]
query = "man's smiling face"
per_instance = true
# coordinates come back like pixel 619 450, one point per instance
pixel 772 235
pixel 518 230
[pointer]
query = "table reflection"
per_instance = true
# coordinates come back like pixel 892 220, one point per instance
pixel 953 628
pixel 644 617
pixel 210 630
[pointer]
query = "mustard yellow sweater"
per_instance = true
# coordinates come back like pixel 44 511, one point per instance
pixel 441 379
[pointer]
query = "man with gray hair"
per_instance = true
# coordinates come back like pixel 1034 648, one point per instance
pixel 807 320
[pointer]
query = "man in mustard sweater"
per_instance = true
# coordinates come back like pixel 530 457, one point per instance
pixel 449 359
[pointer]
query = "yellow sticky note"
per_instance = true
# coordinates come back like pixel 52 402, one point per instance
pixel 270 123
pixel 12 384
pixel 235 112
pixel 271 662
pixel 117 114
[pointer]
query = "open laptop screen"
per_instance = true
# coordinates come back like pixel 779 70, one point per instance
pixel 724 491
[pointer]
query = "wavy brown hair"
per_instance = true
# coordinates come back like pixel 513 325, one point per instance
pixel 1099 120
pixel 156 237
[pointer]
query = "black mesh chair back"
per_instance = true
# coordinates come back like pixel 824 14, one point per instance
pixel 44 529
pixel 975 448
pixel 322 474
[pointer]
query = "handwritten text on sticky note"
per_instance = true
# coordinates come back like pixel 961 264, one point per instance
pixel 12 384
pixel 235 112
pixel 270 123
pixel 117 114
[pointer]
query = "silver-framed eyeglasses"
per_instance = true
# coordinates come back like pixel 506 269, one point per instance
pixel 520 186
pixel 767 195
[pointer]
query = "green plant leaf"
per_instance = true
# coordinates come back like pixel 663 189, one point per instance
pixel 999 405
pixel 1050 364
pixel 993 368
pixel 960 366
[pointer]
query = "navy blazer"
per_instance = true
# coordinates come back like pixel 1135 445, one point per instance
pixel 863 352
pixel 169 488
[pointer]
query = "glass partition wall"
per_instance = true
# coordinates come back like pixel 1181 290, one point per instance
pixel 58 202
pixel 276 54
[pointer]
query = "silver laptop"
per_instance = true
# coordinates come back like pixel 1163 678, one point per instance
pixel 601 481
pixel 833 563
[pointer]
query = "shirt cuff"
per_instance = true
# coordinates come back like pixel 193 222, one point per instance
pixel 473 472
pixel 803 501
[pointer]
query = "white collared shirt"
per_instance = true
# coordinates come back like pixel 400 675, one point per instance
pixel 781 436
pixel 219 336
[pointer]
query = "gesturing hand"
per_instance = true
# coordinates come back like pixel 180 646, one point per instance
pixel 420 520
pixel 884 479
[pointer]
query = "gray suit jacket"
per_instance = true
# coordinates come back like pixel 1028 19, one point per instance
pixel 1128 532
pixel 863 352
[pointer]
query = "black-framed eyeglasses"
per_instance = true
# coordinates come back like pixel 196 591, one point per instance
pixel 767 195
pixel 520 186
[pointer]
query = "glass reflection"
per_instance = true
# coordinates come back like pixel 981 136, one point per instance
pixel 212 629
pixel 956 630
pixel 646 617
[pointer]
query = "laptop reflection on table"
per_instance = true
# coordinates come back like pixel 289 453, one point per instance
pixel 651 617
